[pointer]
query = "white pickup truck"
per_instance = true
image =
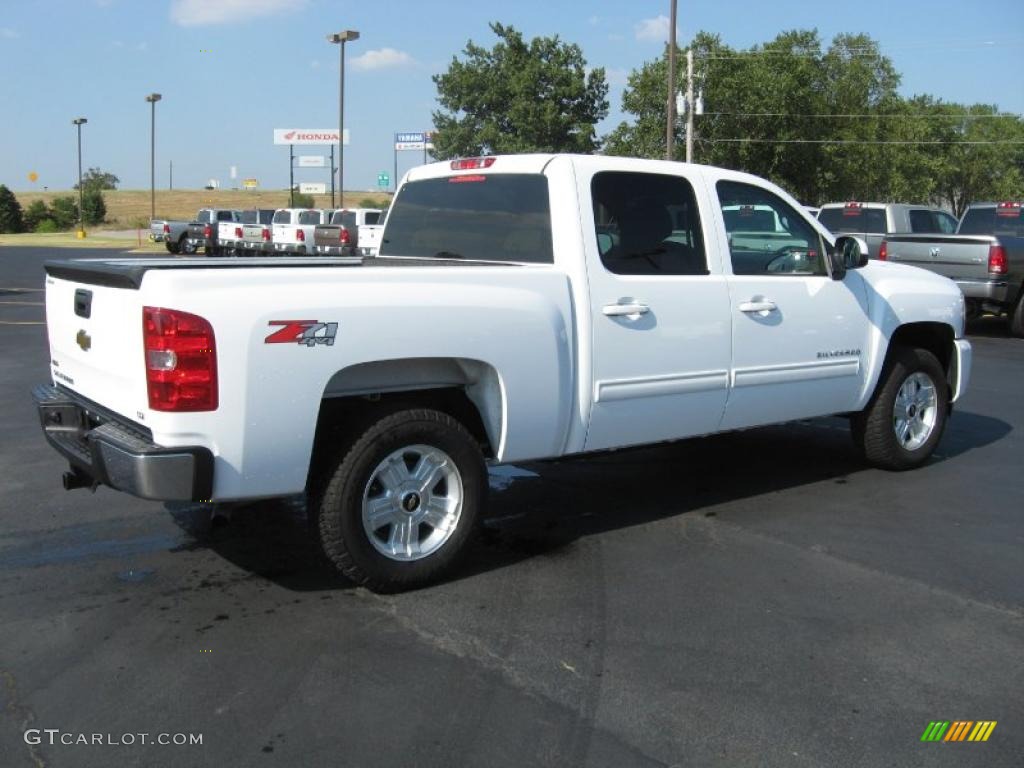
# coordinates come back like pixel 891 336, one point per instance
pixel 521 307
pixel 293 229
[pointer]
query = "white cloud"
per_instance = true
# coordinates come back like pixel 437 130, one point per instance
pixel 7 33
pixel 617 78
pixel 314 64
pixel 381 58
pixel 192 13
pixel 652 29
pixel 594 20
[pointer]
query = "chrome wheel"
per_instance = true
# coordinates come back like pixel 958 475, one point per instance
pixel 412 502
pixel 915 411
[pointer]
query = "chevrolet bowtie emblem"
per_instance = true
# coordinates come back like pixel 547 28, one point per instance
pixel 84 340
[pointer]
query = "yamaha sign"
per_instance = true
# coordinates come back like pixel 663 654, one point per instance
pixel 307 136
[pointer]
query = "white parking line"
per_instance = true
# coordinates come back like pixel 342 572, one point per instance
pixel 21 290
pixel 25 303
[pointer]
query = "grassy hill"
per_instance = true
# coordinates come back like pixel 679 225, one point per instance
pixel 129 208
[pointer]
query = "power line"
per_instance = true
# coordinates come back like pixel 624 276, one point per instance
pixel 860 141
pixel 917 116
pixel 863 51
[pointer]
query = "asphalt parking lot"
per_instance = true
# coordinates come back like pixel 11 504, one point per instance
pixel 753 599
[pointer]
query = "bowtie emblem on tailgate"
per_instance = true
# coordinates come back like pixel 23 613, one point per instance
pixel 84 340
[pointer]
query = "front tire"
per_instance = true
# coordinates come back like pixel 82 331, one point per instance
pixel 905 419
pixel 1016 317
pixel 399 507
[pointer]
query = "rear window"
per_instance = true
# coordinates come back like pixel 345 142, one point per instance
pixel 225 215
pixel 496 217
pixel 266 217
pixel 869 220
pixel 309 217
pixel 282 217
pixel 992 221
pixel 248 217
pixel 373 218
pixel 205 217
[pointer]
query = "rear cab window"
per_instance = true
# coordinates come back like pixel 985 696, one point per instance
pixel 502 217
pixel 372 217
pixel 309 217
pixel 1004 219
pixel 283 217
pixel 854 217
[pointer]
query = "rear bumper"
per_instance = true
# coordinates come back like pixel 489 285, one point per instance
pixel 289 248
pixel 996 289
pixel 262 247
pixel 118 454
pixel 335 250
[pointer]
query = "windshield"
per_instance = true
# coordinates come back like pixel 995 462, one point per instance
pixel 495 217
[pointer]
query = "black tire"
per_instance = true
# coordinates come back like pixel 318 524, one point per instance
pixel 1016 317
pixel 172 247
pixel 336 507
pixel 874 429
pixel 184 246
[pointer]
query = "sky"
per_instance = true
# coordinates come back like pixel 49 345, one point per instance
pixel 231 71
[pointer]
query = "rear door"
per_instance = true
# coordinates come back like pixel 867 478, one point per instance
pixel 659 307
pixel 797 335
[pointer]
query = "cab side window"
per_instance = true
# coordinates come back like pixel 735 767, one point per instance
pixel 766 235
pixel 647 224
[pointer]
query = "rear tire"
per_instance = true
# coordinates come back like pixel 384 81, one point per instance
pixel 172 247
pixel 904 421
pixel 398 508
pixel 1016 317
pixel 184 246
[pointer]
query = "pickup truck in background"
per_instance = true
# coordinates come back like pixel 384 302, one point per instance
pixel 985 258
pixel 204 231
pixel 521 307
pixel 293 229
pixel 370 236
pixel 229 236
pixel 173 234
pixel 257 234
pixel 873 221
pixel 342 236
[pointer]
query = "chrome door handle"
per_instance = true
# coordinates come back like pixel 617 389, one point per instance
pixel 758 306
pixel 618 310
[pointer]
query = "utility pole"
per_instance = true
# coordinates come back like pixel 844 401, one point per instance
pixel 332 176
pixel 690 107
pixel 153 98
pixel 348 36
pixel 170 174
pixel 670 117
pixel 78 122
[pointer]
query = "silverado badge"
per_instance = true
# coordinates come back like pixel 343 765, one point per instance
pixel 84 340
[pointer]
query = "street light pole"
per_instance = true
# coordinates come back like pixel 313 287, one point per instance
pixel 347 36
pixel 79 122
pixel 153 98
pixel 670 117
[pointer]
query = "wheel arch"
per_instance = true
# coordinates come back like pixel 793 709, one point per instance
pixel 470 391
pixel 933 336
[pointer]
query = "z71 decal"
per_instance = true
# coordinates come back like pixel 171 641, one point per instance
pixel 307 332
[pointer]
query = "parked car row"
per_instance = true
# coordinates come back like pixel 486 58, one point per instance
pixel 267 231
pixel 983 253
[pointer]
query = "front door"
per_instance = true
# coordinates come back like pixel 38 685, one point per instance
pixel 660 316
pixel 798 336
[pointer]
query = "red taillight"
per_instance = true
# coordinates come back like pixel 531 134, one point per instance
pixel 167 229
pixel 883 251
pixel 181 360
pixel 471 163
pixel 207 232
pixel 300 235
pixel 344 236
pixel 997 260
pixel 238 232
pixel 266 235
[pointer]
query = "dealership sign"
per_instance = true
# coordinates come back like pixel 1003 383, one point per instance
pixel 414 140
pixel 313 188
pixel 308 136
pixel 312 161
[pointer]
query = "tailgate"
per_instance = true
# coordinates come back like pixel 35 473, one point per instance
pixel 95 335
pixel 327 234
pixel 252 233
pixel 954 256
pixel 284 233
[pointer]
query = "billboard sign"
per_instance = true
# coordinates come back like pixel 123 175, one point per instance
pixel 414 140
pixel 250 183
pixel 312 161
pixel 307 136
pixel 308 188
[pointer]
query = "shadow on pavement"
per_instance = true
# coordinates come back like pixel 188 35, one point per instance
pixel 568 499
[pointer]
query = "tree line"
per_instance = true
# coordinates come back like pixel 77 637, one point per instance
pixel 62 212
pixel 826 123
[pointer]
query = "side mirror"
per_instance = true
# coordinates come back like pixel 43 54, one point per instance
pixel 853 251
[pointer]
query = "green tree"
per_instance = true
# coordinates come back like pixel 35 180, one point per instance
pixel 518 96
pixel 11 219
pixel 95 178
pixel 94 209
pixel 35 213
pixel 64 212
pixel 302 200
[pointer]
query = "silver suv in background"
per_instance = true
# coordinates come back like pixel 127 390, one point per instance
pixel 872 221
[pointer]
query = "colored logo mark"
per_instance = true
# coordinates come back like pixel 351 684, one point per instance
pixel 958 730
